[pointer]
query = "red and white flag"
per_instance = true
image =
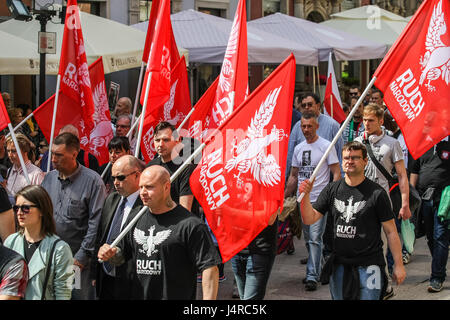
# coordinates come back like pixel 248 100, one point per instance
pixel 70 112
pixel 332 100
pixel 4 118
pixel 240 180
pixel 415 77
pixel 232 85
pixel 173 111
pixel 73 69
pixel 161 54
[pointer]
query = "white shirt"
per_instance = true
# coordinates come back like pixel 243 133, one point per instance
pixel 131 199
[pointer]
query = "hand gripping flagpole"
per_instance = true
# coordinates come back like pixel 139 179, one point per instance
pixel 144 209
pixel 55 108
pixel 338 134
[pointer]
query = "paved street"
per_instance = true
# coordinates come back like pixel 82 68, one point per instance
pixel 285 282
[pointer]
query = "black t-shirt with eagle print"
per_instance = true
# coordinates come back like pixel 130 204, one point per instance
pixel 168 250
pixel 357 214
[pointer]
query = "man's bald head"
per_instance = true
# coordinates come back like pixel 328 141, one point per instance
pixel 158 172
pixel 155 189
pixel 129 162
pixel 126 172
pixel 71 129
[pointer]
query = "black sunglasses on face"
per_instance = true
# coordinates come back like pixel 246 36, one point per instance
pixel 309 104
pixel 25 208
pixel 122 176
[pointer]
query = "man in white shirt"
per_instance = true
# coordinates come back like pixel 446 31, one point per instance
pixel 306 157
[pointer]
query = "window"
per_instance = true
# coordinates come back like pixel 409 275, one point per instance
pixel 145 6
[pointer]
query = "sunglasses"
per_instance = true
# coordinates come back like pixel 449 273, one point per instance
pixel 353 93
pixel 122 176
pixel 25 208
pixel 309 104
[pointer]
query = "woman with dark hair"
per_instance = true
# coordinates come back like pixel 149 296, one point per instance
pixel 50 260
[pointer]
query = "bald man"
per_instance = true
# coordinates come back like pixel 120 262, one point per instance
pixel 168 246
pixel 121 205
pixel 123 106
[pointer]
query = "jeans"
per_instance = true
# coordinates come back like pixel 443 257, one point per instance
pixel 314 243
pixel 389 257
pixel 252 272
pixel 370 278
pixel 438 237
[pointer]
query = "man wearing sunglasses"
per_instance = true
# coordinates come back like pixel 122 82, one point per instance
pixel 113 283
pixel 328 128
pixel 77 194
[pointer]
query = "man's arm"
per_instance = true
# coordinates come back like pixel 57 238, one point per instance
pixel 335 169
pixel 309 214
pixel 210 283
pixel 413 178
pixel 405 212
pixel 291 185
pixel 390 230
pixel 186 201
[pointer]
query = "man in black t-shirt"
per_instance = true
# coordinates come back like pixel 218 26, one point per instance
pixel 359 208
pixel 169 147
pixel 168 246
pixel 430 174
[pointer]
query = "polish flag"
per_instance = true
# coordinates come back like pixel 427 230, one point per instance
pixel 332 100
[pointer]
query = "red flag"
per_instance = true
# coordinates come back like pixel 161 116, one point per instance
pixel 162 57
pixel 240 179
pixel 232 87
pixel 415 76
pixel 4 118
pixel 96 142
pixel 73 68
pixel 173 111
pixel 199 120
pixel 332 100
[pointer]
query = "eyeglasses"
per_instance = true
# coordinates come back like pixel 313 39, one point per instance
pixel 309 104
pixel 25 208
pixel 11 151
pixel 122 176
pixel 353 93
pixel 353 158
pixel 43 146
pixel 122 126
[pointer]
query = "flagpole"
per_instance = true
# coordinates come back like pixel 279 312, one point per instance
pixel 318 82
pixel 338 134
pixel 331 100
pixel 136 100
pixel 186 119
pixel 55 108
pixel 128 135
pixel 144 108
pixel 19 153
pixel 144 209
pixel 314 79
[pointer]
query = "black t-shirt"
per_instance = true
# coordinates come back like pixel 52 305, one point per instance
pixel 265 242
pixel 180 186
pixel 167 262
pixel 433 168
pixel 357 214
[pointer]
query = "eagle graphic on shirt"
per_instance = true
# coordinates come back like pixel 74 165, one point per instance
pixel 348 211
pixel 150 242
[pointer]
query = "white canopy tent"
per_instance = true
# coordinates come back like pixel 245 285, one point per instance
pixel 369 22
pixel 206 37
pixel 121 46
pixel 344 46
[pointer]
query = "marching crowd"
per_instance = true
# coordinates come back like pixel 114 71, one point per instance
pixel 57 227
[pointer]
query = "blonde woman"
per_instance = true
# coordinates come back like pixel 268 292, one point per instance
pixel 49 258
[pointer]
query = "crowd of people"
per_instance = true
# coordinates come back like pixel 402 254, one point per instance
pixel 57 226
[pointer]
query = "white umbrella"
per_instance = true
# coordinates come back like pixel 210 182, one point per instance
pixel 345 46
pixel 369 22
pixel 121 46
pixel 206 38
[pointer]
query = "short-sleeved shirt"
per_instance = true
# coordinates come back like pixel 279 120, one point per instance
pixel 169 250
pixel 387 151
pixel 357 213
pixel 306 158
pixel 13 273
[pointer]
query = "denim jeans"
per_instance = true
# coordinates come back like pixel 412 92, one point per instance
pixel 438 237
pixel 252 272
pixel 389 257
pixel 314 243
pixel 370 278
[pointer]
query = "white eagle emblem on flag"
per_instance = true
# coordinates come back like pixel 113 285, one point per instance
pixel 249 154
pixel 436 61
